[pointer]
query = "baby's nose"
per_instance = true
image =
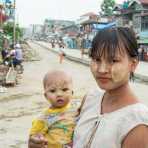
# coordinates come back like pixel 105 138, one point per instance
pixel 59 93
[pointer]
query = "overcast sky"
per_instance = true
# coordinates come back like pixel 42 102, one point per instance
pixel 35 11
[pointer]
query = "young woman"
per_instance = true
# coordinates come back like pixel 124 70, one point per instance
pixel 114 117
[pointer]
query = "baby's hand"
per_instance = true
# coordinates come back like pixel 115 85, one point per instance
pixel 39 136
pixel 37 141
pixel 69 145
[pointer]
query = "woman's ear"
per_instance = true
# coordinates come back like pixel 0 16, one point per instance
pixel 134 64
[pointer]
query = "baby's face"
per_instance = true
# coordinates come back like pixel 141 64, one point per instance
pixel 58 91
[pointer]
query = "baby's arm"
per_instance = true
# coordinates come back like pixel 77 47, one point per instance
pixel 38 127
pixel 37 135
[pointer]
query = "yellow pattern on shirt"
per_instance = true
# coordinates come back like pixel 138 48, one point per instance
pixel 59 131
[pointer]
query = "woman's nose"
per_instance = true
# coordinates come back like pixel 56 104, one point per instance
pixel 103 68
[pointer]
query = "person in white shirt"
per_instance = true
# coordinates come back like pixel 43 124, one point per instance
pixel 17 60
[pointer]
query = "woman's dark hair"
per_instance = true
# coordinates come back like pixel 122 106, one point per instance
pixel 110 41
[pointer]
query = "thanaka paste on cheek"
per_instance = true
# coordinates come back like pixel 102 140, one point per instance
pixel 119 73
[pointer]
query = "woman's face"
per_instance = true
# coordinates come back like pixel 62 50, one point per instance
pixel 113 74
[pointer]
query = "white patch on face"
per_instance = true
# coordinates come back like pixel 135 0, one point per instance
pixel 119 72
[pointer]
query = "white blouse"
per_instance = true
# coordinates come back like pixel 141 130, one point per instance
pixel 106 130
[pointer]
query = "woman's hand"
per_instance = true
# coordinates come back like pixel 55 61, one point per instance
pixel 37 141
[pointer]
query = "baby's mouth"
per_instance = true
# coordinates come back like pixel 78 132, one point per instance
pixel 60 100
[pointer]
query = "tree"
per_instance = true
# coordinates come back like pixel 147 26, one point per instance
pixel 8 31
pixel 107 7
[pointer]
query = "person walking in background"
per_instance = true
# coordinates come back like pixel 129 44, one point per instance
pixel 52 43
pixel 142 54
pixel 61 51
pixel 82 46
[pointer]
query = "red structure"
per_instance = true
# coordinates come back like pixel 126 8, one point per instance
pixel 3 17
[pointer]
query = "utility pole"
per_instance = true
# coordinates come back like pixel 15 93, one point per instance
pixel 14 25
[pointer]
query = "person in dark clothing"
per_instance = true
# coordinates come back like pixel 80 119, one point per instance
pixel 5 56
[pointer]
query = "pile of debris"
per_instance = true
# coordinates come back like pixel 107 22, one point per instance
pixel 29 54
pixel 3 72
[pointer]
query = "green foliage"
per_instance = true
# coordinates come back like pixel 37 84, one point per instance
pixel 8 31
pixel 107 7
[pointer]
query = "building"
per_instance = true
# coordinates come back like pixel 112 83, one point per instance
pixel 86 22
pixel 134 14
pixel 71 30
pixel 54 26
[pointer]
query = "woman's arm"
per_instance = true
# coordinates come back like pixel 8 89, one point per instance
pixel 137 138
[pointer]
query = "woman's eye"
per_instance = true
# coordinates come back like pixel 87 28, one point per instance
pixel 65 89
pixel 115 60
pixel 97 60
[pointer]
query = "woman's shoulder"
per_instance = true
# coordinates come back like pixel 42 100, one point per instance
pixel 135 125
pixel 141 111
pixel 135 113
pixel 133 116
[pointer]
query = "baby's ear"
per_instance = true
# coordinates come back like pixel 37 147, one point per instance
pixel 45 95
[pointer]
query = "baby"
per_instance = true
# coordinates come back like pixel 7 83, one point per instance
pixel 56 123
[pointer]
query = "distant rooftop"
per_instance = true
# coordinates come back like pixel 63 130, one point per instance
pixel 89 14
pixel 139 1
pixel 144 1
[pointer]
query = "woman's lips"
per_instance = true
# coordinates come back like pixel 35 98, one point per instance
pixel 103 80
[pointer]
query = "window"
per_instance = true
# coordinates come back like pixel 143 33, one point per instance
pixel 144 23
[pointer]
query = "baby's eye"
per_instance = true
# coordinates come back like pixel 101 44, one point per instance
pixel 52 90
pixel 65 89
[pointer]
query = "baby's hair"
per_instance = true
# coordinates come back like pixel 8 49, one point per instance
pixel 110 41
pixel 53 74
